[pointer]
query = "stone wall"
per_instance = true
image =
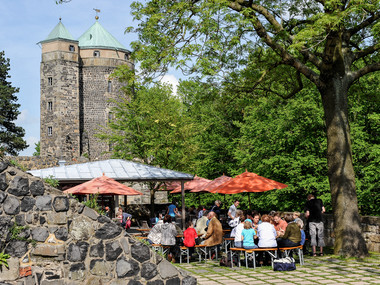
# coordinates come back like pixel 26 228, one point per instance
pixel 370 229
pixel 60 241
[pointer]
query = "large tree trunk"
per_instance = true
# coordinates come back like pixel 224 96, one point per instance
pixel 349 240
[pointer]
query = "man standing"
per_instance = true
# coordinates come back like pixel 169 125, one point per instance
pixel 313 212
pixel 232 210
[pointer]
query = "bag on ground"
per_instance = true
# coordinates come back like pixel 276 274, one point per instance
pixel 284 264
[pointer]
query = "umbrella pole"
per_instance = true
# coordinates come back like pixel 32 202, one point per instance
pixel 249 200
pixel 183 204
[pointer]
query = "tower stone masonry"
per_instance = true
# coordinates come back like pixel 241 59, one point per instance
pixel 77 91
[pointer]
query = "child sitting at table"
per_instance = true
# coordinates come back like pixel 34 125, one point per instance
pixel 248 234
pixel 189 237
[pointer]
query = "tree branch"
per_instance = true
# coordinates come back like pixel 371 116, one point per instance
pixel 364 24
pixel 366 51
pixel 365 70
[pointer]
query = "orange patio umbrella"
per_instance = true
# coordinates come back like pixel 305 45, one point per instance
pixel 196 182
pixel 207 188
pixel 248 182
pixel 104 186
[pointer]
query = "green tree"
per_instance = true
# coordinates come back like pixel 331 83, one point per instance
pixel 151 127
pixel 11 136
pixel 324 41
pixel 37 149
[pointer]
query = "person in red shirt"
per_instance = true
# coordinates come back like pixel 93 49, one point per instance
pixel 190 235
pixel 279 224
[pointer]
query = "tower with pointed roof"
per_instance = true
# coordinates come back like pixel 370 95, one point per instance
pixel 77 91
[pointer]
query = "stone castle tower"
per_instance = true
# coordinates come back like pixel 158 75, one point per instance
pixel 76 91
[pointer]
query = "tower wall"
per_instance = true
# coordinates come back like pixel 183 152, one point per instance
pixel 97 92
pixel 60 129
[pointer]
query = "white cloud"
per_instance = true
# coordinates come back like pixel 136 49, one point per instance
pixel 171 79
pixel 31 142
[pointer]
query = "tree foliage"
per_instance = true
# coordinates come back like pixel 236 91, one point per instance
pixel 11 136
pixel 325 42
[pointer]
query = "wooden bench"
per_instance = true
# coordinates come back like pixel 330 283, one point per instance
pixel 298 249
pixel 203 249
pixel 227 242
pixel 251 253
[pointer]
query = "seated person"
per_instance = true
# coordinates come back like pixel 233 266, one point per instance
pixel 190 236
pixel 214 234
pixel 216 207
pixel 238 230
pixel 292 235
pixel 233 223
pixel 279 224
pixel 168 236
pixel 154 236
pixel 266 233
pixel 299 222
pixel 202 224
pixel 248 234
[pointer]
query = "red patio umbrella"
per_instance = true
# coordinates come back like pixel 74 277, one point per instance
pixel 248 182
pixel 207 188
pixel 196 182
pixel 104 186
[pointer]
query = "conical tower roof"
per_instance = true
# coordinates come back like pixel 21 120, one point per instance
pixel 59 32
pixel 97 37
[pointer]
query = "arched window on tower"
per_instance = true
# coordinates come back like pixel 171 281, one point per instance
pixel 50 106
pixel 96 53
pixel 109 88
pixel 50 131
pixel 71 48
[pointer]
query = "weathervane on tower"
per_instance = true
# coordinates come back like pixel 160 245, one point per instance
pixel 97 11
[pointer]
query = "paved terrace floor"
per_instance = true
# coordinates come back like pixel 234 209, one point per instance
pixel 317 270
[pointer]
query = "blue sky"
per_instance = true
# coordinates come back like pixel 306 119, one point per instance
pixel 26 22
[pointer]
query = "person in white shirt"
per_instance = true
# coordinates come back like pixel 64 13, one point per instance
pixel 232 210
pixel 266 233
pixel 238 230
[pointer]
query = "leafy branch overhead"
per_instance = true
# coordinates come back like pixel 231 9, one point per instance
pixel 278 47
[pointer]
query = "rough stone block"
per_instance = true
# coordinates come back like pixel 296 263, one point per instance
pixel 148 270
pixel 19 186
pixel 3 165
pixel 37 188
pixel 44 250
pixel 77 252
pixel 97 250
pixel 113 250
pixel 16 248
pixel 3 183
pixel 167 270
pixel 61 234
pixel 43 203
pixel 92 214
pixel 126 267
pixel 81 228
pixel 57 218
pixel 61 204
pixel 40 234
pixel 11 205
pixel 189 280
pixel 140 252
pixel 27 203
pixel 11 273
pixel 99 267
pixel 108 231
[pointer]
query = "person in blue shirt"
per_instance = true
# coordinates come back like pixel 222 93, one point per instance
pixel 248 234
pixel 172 210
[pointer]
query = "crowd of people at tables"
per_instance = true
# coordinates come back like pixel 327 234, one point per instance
pixel 248 228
